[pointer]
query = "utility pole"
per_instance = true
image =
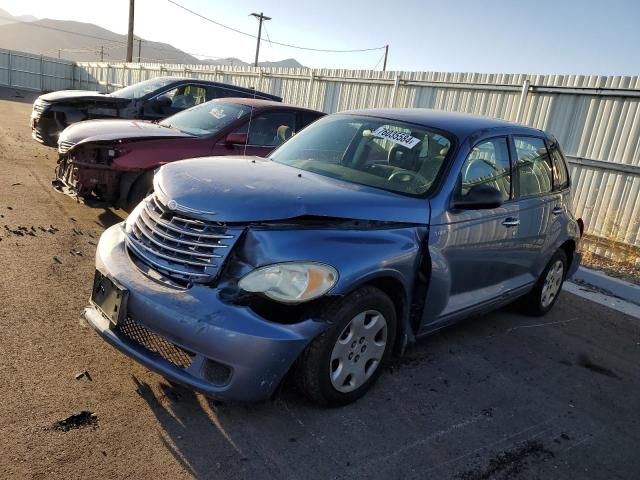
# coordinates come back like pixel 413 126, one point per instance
pixel 386 54
pixel 58 53
pixel 139 48
pixel 130 32
pixel 102 53
pixel 260 18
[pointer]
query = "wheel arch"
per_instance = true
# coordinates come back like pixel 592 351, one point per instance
pixel 391 284
pixel 569 248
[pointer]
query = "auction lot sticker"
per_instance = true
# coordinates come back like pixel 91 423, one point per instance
pixel 400 138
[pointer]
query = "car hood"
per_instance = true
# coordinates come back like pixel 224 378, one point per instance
pixel 254 189
pixel 106 130
pixel 80 95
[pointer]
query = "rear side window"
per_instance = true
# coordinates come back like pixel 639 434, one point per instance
pixel 533 166
pixel 560 174
pixel 270 129
pixel 308 117
pixel 487 163
pixel 219 92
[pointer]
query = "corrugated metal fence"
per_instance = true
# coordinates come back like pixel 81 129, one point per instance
pixel 35 72
pixel 595 118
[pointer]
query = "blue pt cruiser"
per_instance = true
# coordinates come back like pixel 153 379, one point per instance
pixel 365 231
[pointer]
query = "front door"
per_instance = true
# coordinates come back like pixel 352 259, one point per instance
pixel 174 101
pixel 475 251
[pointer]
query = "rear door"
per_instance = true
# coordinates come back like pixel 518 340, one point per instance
pixel 539 203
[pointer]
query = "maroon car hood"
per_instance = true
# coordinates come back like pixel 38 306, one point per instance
pixel 106 130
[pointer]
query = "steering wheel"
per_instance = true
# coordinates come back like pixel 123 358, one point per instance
pixel 404 176
pixel 474 162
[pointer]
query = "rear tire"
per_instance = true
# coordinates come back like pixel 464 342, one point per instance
pixel 547 289
pixel 341 364
pixel 142 187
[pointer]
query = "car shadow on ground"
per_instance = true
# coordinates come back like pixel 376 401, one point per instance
pixel 442 394
pixel 109 217
pixel 491 397
pixel 17 95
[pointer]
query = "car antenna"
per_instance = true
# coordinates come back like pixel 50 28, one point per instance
pixel 244 153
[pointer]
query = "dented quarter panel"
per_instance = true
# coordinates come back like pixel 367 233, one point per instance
pixel 391 251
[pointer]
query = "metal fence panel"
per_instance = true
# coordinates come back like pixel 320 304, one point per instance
pixel 35 72
pixel 595 118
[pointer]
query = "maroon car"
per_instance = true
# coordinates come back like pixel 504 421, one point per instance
pixel 113 161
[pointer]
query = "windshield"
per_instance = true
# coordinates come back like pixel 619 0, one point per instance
pixel 139 90
pixel 380 153
pixel 206 118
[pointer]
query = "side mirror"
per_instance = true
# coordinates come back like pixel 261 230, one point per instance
pixel 236 139
pixel 479 197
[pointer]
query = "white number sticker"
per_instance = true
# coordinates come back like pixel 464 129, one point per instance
pixel 400 138
pixel 217 113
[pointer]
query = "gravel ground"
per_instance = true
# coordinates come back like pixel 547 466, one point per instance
pixel 502 396
pixel 624 270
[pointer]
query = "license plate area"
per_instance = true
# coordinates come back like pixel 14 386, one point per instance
pixel 109 297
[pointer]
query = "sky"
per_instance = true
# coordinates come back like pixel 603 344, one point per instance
pixel 495 36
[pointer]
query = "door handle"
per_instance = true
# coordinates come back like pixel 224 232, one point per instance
pixel 557 210
pixel 511 222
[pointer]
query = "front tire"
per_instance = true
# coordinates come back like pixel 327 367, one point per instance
pixel 343 363
pixel 142 187
pixel 547 289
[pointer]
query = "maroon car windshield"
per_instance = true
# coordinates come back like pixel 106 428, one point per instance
pixel 207 118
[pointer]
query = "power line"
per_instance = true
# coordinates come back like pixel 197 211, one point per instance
pixel 282 44
pixel 379 60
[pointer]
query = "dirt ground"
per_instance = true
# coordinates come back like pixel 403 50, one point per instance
pixel 503 396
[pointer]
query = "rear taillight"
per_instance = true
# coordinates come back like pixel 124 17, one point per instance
pixel 581 226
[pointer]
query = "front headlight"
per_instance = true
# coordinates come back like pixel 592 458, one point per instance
pixel 292 282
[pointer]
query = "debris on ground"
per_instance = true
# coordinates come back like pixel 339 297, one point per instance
pixel 509 463
pixel 84 374
pixel 57 260
pixel 83 419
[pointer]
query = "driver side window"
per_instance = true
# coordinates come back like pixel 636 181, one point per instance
pixel 487 163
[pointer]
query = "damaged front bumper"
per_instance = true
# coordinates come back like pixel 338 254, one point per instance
pixel 82 180
pixel 235 353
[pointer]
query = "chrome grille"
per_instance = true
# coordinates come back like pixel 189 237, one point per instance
pixel 184 249
pixel 40 106
pixel 63 147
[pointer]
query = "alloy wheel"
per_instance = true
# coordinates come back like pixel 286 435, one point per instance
pixel 552 283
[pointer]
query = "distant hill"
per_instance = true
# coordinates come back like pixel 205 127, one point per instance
pixel 6 17
pixel 289 63
pixel 86 42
